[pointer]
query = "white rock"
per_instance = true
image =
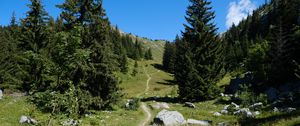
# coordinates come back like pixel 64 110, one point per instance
pixel 28 120
pixel 222 94
pixel 256 105
pixel 23 119
pixel 217 114
pixel 289 109
pixel 244 112
pixel 224 111
pixel 226 107
pixel 189 104
pixel 198 122
pixel 256 113
pixel 168 118
pixel 275 109
pixel 71 122
pixel 235 105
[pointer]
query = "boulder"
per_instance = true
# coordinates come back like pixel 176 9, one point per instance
pixel 27 120
pixel 1 94
pixel 168 118
pixel 189 104
pixel 198 122
pixel 160 106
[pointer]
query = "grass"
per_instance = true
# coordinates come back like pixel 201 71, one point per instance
pixel 160 85
pixel 11 109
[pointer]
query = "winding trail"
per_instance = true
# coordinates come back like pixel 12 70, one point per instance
pixel 144 106
pixel 148 116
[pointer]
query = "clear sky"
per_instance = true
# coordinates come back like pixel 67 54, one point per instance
pixel 155 19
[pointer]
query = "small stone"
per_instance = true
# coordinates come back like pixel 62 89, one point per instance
pixel 217 114
pixel 224 112
pixel 289 109
pixel 222 95
pixel 244 112
pixel 23 119
pixel 235 105
pixel 225 107
pixel 189 104
pixel 71 122
pixel 256 113
pixel 275 109
pixel 28 120
pixel 256 105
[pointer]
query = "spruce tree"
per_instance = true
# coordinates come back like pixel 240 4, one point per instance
pixel 34 39
pixel 124 63
pixel 197 81
pixel 169 55
pixel 135 68
pixel 283 44
pixel 148 55
pixel 100 80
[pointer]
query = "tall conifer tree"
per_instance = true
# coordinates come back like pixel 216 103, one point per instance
pixel 203 57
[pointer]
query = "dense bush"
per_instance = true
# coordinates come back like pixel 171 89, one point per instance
pixel 247 97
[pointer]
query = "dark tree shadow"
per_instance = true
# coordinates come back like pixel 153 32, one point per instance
pixel 162 99
pixel 167 82
pixel 159 67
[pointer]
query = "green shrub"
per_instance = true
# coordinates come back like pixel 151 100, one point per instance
pixel 133 104
pixel 247 97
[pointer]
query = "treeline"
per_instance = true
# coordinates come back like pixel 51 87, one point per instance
pixel 266 44
pixel 67 65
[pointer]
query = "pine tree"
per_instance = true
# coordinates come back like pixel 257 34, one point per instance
pixel 34 35
pixel 135 69
pixel 283 47
pixel 124 62
pixel 138 51
pixel 148 55
pixel 203 57
pixel 100 80
pixel 169 55
pixel 9 70
pixel 34 40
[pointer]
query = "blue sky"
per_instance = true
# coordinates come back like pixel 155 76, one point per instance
pixel 155 19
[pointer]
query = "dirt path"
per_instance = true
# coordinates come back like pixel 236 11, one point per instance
pixel 144 105
pixel 148 114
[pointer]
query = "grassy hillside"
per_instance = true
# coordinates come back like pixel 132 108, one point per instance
pixel 159 86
